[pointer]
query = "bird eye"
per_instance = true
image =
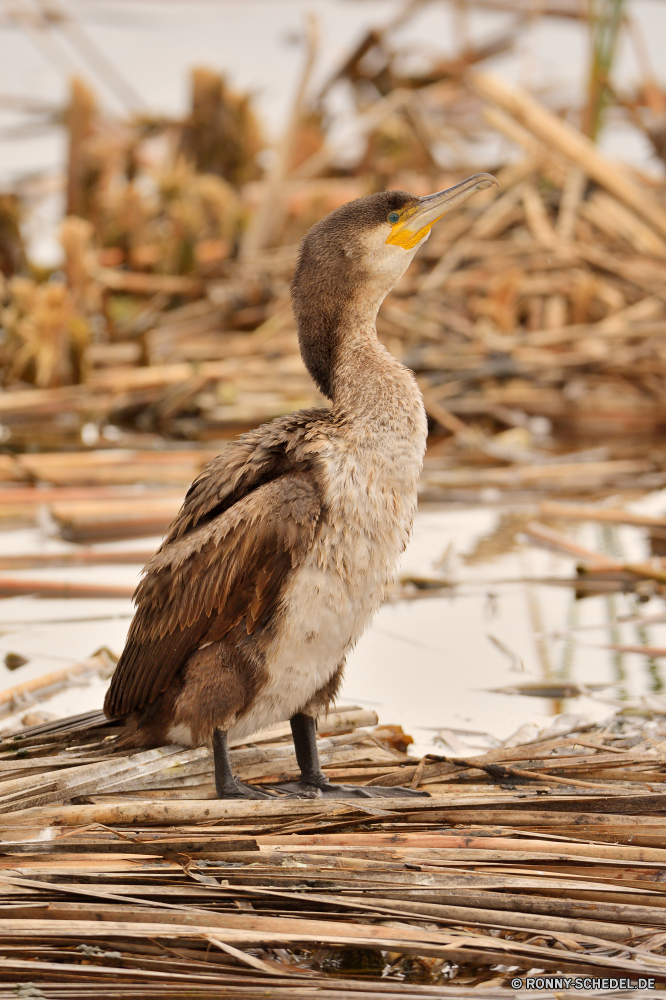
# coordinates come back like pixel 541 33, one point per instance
pixel 393 217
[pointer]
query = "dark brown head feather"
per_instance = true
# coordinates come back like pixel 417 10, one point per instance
pixel 329 272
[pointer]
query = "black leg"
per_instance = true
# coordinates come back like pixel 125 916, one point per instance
pixel 314 782
pixel 226 785
pixel 304 732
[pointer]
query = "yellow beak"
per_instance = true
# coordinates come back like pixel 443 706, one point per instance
pixel 415 223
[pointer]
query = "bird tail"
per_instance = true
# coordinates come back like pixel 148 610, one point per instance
pixel 87 726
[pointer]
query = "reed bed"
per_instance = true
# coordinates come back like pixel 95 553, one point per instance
pixel 117 494
pixel 173 321
pixel 534 323
pixel 123 872
pixel 533 319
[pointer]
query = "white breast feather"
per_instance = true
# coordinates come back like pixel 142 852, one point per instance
pixel 370 505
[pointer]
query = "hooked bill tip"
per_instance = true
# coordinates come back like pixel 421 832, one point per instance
pixel 482 181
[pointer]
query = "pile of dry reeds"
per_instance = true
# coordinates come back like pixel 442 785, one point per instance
pixel 173 316
pixel 123 872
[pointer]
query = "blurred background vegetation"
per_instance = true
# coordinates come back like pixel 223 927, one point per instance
pixel 161 310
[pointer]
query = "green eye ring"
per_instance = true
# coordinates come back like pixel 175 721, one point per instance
pixel 393 217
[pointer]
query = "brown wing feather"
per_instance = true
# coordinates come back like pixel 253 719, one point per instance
pixel 199 586
pixel 254 458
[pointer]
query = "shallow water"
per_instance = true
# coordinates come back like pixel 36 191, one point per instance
pixel 428 664
pixel 431 663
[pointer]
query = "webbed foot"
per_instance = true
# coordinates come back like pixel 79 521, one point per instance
pixel 315 785
pixel 240 790
pixel 323 788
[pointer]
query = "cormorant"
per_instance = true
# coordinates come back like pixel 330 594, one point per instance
pixel 281 552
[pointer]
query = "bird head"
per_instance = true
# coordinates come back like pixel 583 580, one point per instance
pixel 350 260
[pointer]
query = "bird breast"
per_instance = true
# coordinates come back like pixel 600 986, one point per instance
pixel 370 473
pixel 369 503
pixel 368 466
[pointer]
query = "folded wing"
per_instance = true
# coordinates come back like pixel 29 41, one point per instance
pixel 198 586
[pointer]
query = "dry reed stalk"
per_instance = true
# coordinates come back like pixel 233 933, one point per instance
pixel 110 520
pixel 138 283
pixel 572 195
pixel 570 143
pixel 584 512
pixel 557 540
pixel 615 219
pixel 84 557
pixel 534 475
pixel 47 681
pixel 56 589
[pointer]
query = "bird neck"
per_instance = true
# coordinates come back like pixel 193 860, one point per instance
pixel 337 336
pixel 371 391
pixel 364 373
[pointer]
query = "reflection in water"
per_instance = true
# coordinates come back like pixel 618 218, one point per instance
pixel 488 608
pixel 610 546
pixel 568 645
pixel 652 664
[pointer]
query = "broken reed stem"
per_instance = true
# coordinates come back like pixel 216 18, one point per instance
pixel 569 143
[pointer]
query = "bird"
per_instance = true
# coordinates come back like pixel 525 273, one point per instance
pixel 285 543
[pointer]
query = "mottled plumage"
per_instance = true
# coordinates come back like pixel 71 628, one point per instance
pixel 285 543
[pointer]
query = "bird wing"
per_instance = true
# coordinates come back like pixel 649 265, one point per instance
pixel 200 585
pixel 252 459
